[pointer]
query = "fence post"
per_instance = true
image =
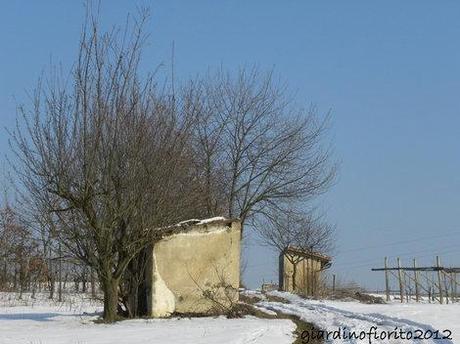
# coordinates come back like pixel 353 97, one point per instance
pixel 387 287
pixel 438 265
pixel 454 290
pixel 430 288
pixel 445 287
pixel 401 284
pixel 417 295
pixel 407 286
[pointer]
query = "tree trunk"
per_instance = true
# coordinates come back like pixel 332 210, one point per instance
pixel 52 284
pixel 51 278
pixel 134 286
pixel 34 289
pixel 60 275
pixel 93 284
pixel 83 282
pixel 5 277
pixel 51 288
pixel 110 289
pixel 15 279
pixel 22 278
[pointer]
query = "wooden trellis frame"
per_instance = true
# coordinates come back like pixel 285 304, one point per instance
pixel 446 284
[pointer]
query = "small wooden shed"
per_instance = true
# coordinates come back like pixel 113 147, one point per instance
pixel 300 270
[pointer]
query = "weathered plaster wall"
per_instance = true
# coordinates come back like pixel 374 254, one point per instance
pixel 204 257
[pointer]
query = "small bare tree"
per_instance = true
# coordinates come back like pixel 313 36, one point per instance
pixel 293 229
pixel 42 224
pixel 18 253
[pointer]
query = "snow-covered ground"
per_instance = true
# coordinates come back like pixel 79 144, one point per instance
pixel 355 316
pixel 71 322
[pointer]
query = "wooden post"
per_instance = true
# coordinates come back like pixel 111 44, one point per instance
pixel 417 295
pixel 407 286
pixel 333 283
pixel 387 286
pixel 454 292
pixel 311 276
pixel 430 288
pixel 438 264
pixel 446 288
pixel 308 273
pixel 312 265
pixel 401 283
pixel 304 277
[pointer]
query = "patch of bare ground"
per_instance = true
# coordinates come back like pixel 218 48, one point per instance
pixel 354 295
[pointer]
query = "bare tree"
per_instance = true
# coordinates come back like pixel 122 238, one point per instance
pixel 107 155
pixel 107 158
pixel 21 262
pixel 293 229
pixel 10 233
pixel 258 149
pixel 42 224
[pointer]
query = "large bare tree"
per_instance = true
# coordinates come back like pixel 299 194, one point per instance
pixel 257 148
pixel 107 155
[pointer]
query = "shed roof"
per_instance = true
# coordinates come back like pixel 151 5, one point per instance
pixel 307 253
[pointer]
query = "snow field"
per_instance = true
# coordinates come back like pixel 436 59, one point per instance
pixel 72 322
pixel 354 316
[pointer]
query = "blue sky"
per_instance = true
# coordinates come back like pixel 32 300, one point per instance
pixel 389 71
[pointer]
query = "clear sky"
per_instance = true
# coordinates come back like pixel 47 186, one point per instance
pixel 389 71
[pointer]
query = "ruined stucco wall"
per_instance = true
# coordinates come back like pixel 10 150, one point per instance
pixel 205 257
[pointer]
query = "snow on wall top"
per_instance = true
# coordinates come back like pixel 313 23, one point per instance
pixel 204 221
pixel 212 219
pixel 188 225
